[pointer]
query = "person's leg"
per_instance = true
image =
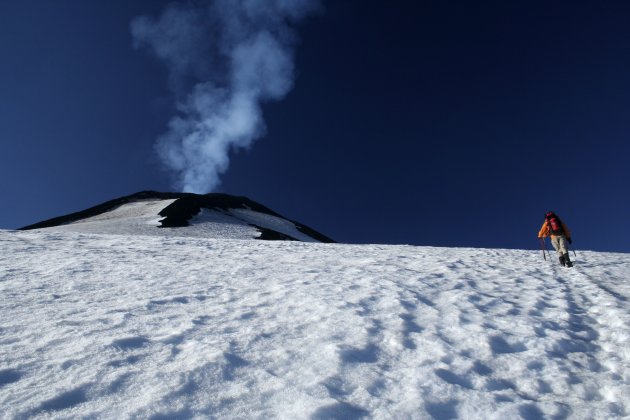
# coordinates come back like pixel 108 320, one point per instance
pixel 564 248
pixel 562 245
pixel 554 243
pixel 557 243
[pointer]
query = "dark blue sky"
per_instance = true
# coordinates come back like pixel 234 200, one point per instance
pixel 443 123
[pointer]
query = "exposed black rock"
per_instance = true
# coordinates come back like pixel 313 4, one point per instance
pixel 186 206
pixel 272 235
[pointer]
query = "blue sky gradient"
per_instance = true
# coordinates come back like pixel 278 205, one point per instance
pixel 418 122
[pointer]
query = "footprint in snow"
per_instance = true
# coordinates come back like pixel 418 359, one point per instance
pixel 233 362
pixel 65 400
pixel 126 361
pixel 499 345
pixel 481 368
pixel 130 343
pixel 340 410
pixel 453 378
pixel 336 387
pixel 499 385
pixel 409 326
pixel 442 410
pixel 530 412
pixel 9 376
pixel 368 354
pixel 174 300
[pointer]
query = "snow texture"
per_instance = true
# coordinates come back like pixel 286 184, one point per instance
pixel 129 326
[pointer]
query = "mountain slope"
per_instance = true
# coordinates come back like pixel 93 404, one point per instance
pixel 184 214
pixel 166 327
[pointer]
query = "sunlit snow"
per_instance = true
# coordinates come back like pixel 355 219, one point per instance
pixel 130 326
pixel 140 217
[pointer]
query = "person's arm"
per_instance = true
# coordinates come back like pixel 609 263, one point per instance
pixel 544 231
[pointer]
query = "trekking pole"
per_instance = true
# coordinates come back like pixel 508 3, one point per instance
pixel 543 247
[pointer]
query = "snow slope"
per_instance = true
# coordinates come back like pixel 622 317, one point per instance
pixel 183 214
pixel 117 326
pixel 142 218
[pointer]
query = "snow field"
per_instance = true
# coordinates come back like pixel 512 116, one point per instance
pixel 121 326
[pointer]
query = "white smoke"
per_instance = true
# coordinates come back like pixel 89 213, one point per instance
pixel 225 58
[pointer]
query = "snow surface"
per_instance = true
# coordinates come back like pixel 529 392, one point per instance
pixel 117 326
pixel 271 222
pixel 141 217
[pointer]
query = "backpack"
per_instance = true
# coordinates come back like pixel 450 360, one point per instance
pixel 554 224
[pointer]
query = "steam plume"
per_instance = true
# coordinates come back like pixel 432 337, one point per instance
pixel 225 58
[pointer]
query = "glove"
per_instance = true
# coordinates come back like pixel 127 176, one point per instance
pixel 569 240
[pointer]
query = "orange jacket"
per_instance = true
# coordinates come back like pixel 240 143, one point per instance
pixel 544 231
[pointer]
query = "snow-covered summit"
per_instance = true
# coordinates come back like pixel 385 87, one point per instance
pixel 219 216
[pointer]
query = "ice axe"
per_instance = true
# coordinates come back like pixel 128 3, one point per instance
pixel 573 251
pixel 543 247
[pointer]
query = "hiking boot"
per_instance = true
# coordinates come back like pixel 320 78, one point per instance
pixel 567 261
pixel 561 259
